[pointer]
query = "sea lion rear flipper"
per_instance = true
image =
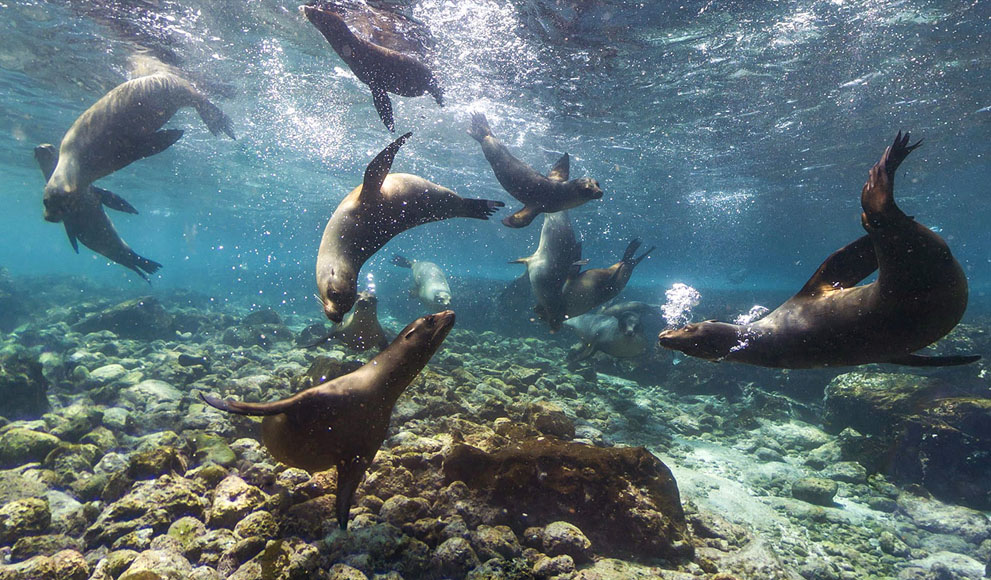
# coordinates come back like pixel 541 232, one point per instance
pixel 480 209
pixel 844 268
pixel 378 169
pixel 145 264
pixel 918 360
pixel 561 169
pixel 71 232
pixel 215 119
pixel 384 106
pixel 255 409
pixel 152 144
pixel 401 261
pixel 114 201
pixel 878 195
pixel 522 218
pixel 479 128
pixel 349 475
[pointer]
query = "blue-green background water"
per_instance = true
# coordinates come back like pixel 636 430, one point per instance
pixel 735 136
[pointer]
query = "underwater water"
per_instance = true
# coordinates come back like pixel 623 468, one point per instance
pixel 734 136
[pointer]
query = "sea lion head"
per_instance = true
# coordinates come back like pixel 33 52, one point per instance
pixel 710 340
pixel 629 323
pixel 587 188
pixel 421 339
pixel 59 201
pixel 338 293
pixel 442 298
pixel 366 301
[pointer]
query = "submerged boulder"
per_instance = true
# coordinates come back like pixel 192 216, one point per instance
pixel 141 318
pixel 23 387
pixel 624 498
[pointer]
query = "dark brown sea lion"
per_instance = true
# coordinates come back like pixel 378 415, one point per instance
pixel 360 329
pixel 919 296
pixel 372 214
pixel 86 221
pixel 558 257
pixel 343 422
pixel 538 193
pixel 597 286
pixel 120 128
pixel 383 70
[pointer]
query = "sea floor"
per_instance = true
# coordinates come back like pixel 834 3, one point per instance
pixel 116 469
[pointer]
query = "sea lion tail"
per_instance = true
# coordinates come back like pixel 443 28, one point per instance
pixel 215 119
pixel 479 129
pixel 401 261
pixel 141 265
pixel 239 408
pixel 480 209
pixel 631 249
pixel 636 261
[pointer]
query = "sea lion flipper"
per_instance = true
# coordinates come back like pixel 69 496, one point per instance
pixel 379 168
pixel 585 351
pixel 47 157
pixel 254 409
pixel 349 475
pixel 215 119
pixel 114 201
pixel 844 268
pixel 480 209
pixel 71 232
pixel 918 360
pixel 522 218
pixel 479 128
pixel 561 169
pixel 878 195
pixel 384 107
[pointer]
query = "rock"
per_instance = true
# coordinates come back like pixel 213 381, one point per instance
pixel 814 490
pixel 940 518
pixel 399 509
pixel 63 565
pixel 572 483
pixel 550 567
pixel 105 375
pixel 23 517
pixel 345 572
pixel 30 546
pixel 158 565
pixel 454 557
pixel 141 318
pixel 847 472
pixel 265 316
pixel 157 402
pixel 550 419
pixel 323 369
pixel 23 387
pixel 872 403
pixel 263 335
pixel 211 448
pixel 154 462
pixel 261 524
pixel 19 446
pixel 232 500
pixel 75 421
pixel 149 504
pixel 186 531
pixel 287 559
pixel 495 542
pixel 564 539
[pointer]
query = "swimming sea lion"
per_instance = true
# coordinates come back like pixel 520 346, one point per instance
pixel 360 329
pixel 343 422
pixel 920 294
pixel 635 317
pixel 558 256
pixel 86 221
pixel 539 194
pixel 383 70
pixel 596 286
pixel 120 128
pixel 600 332
pixel 429 283
pixel 372 214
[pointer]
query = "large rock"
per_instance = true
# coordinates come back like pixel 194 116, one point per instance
pixel 19 446
pixel 876 403
pixel 23 387
pixel 141 318
pixel 29 516
pixel 624 498
pixel 149 504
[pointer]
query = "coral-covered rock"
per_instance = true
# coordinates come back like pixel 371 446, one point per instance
pixel 23 517
pixel 625 498
pixel 232 500
pixel 141 318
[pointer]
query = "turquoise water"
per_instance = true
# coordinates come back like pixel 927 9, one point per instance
pixel 735 136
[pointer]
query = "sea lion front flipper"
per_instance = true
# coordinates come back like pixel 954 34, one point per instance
pixel 349 475
pixel 384 106
pixel 580 354
pixel 522 218
pixel 561 169
pixel 918 360
pixel 878 195
pixel 47 157
pixel 152 144
pixel 71 232
pixel 844 268
pixel 378 169
pixel 114 201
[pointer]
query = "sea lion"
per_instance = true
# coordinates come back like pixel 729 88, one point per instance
pixel 343 422
pixel 635 317
pixel 600 332
pixel 360 329
pixel 86 221
pixel 539 194
pixel 429 283
pixel 383 70
pixel 120 128
pixel 558 256
pixel 372 214
pixel 920 294
pixel 596 286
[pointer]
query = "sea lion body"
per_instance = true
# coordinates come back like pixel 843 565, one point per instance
pixel 920 294
pixel 596 286
pixel 360 329
pixel 120 128
pixel 602 333
pixel 538 193
pixel 371 215
pixel 343 422
pixel 557 257
pixel 88 223
pixel 429 283
pixel 382 69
